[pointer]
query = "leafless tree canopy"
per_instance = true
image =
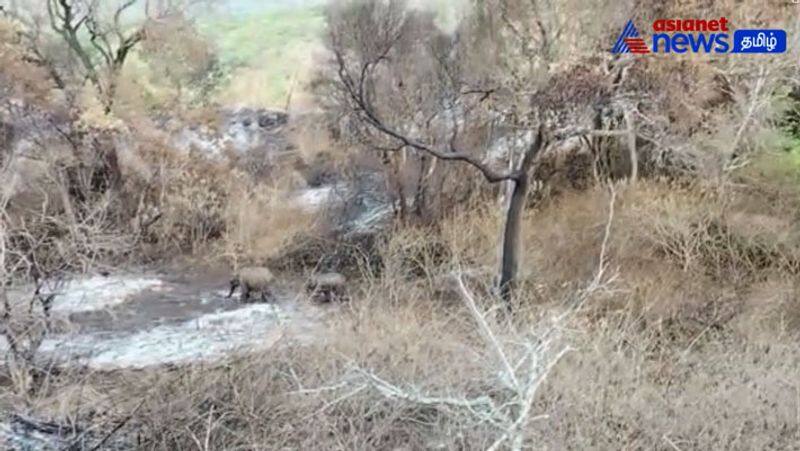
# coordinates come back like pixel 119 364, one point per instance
pixel 403 84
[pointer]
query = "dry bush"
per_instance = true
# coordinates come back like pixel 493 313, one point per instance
pixel 22 78
pixel 317 149
pixel 625 387
pixel 686 256
pixel 192 200
pixel 198 205
pixel 355 256
pixel 626 384
pixel 674 246
pixel 411 252
pixel 184 69
pixel 472 233
pixel 726 235
pixel 269 401
pixel 63 211
pixel 261 222
pixel 622 386
pixel 24 324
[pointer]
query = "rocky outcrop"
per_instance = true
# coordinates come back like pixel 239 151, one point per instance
pixel 241 131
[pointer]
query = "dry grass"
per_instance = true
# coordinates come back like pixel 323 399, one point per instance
pixel 262 222
pixel 628 388
pixel 691 347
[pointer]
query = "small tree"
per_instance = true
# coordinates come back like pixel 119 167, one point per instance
pixel 182 62
pixel 69 18
pixel 99 37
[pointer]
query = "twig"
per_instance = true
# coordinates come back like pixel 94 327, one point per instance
pixel 671 443
pixel 350 394
pixel 750 110
pixel 119 426
pixel 607 235
pixel 509 409
pixel 392 391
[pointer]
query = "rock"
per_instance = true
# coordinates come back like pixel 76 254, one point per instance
pixel 242 130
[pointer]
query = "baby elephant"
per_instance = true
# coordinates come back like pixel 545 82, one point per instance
pixel 253 279
pixel 327 287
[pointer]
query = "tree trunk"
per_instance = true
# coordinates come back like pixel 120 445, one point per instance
pixel 512 238
pixel 107 95
pixel 420 196
pixel 634 156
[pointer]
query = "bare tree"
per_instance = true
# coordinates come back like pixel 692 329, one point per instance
pixel 406 86
pixel 69 18
pixel 99 36
pixel 96 38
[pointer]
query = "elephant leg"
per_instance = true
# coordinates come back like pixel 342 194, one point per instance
pixel 245 293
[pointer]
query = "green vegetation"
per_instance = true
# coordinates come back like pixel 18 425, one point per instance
pixel 266 51
pixel 269 47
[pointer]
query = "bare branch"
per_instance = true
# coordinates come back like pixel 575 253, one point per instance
pixel 576 132
pixel 487 333
pixel 356 94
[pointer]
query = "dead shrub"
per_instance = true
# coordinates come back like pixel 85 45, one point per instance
pixel 192 202
pixel 261 223
pixel 354 256
pixel 24 326
pixel 415 252
pixel 707 231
